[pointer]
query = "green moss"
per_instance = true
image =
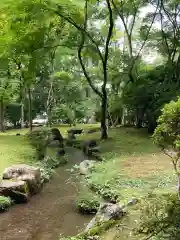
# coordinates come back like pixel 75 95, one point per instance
pixel 5 203
pixel 99 228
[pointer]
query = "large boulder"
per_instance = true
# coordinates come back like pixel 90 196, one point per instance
pixel 15 189
pixel 22 172
pixel 106 212
pixel 86 166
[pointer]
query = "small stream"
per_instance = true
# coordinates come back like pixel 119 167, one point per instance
pixel 49 213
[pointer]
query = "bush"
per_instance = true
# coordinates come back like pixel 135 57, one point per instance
pixel 160 218
pixel 39 140
pixel 5 203
pixel 50 163
pixel 87 203
pixel 167 135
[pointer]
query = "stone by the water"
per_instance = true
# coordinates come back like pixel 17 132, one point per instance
pixel 31 175
pixel 17 190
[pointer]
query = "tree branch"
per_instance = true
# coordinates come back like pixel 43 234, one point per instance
pixel 81 29
pixel 81 46
pixel 110 32
pixel 149 29
pixel 125 27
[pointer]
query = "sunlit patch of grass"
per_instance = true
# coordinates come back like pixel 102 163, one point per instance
pixel 13 150
pixel 16 149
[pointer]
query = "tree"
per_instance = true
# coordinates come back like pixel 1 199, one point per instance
pixel 167 135
pixel 89 43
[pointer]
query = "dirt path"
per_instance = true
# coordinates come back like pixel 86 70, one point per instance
pixel 49 213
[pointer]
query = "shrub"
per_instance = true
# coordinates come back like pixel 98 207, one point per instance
pixel 160 218
pixel 167 134
pixel 50 163
pixel 87 203
pixel 5 203
pixel 39 140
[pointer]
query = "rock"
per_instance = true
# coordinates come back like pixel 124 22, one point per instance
pixel 93 130
pixel 60 152
pixel 109 211
pixel 31 175
pixel 56 134
pixel 86 166
pixel 71 136
pixel 106 212
pixel 75 131
pixel 15 189
pixel 132 202
pixel 89 146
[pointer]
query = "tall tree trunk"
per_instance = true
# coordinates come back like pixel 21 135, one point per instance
pixel 30 109
pixel 124 114
pixel 104 134
pixel 139 118
pixel 2 115
pixel 22 114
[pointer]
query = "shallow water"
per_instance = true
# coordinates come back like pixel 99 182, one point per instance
pixel 49 213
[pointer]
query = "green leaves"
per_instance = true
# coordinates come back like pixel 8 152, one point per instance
pixel 167 133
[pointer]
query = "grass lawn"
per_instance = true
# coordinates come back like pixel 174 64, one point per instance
pixel 15 149
pixel 133 167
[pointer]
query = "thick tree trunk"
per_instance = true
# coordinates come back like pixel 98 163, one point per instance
pixel 30 109
pixel 104 134
pixel 1 115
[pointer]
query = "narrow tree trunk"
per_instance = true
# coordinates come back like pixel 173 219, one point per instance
pixel 30 109
pixel 104 134
pixel 139 118
pixel 22 115
pixel 2 115
pixel 123 120
pixel 178 186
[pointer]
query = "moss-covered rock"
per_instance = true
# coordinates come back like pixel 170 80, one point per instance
pixel 5 203
pixel 15 189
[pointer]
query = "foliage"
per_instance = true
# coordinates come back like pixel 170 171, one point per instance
pixel 72 238
pixel 87 202
pixel 5 203
pixel 39 140
pixel 13 113
pixel 167 134
pixel 160 217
